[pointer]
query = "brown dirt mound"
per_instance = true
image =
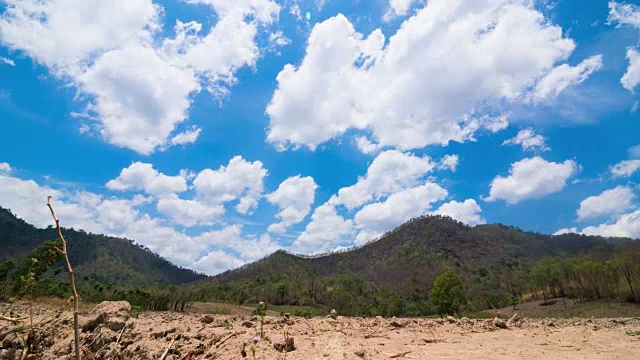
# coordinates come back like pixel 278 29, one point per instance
pixel 227 337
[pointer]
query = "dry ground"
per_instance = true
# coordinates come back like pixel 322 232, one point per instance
pixel 110 334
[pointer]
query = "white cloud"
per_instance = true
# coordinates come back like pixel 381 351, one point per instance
pixel 627 14
pixel 625 168
pixel 366 146
pixel 5 168
pixel 65 34
pixel 187 137
pixel 421 89
pixel 7 61
pixel 610 202
pixel 563 76
pixel 232 239
pixel 189 212
pixel 399 8
pixel 634 152
pixel 142 176
pixel 137 84
pixel 529 140
pixel 531 178
pixel 216 262
pixel 138 96
pixel 572 230
pixel 620 13
pixel 390 172
pixel 126 218
pixel 449 162
pixel 239 180
pixel 399 207
pixel 627 225
pixel 467 212
pixel 325 230
pixel 631 78
pixel 294 198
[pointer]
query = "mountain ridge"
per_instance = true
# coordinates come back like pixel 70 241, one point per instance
pixel 105 259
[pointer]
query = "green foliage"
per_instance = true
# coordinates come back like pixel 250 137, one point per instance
pixel 633 333
pixel 448 293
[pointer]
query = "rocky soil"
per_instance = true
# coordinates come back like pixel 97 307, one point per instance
pixel 110 331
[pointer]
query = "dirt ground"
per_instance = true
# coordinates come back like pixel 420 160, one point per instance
pixel 110 333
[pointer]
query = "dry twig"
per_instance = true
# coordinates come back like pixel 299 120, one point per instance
pixel 399 355
pixel 72 282
pixel 166 352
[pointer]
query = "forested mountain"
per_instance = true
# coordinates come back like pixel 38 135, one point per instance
pixel 98 258
pixel 491 266
pixel 395 274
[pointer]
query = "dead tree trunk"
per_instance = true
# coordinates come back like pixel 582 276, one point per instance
pixel 72 282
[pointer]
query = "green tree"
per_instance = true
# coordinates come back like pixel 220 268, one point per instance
pixel 448 292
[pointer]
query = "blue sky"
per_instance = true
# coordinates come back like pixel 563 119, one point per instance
pixel 215 132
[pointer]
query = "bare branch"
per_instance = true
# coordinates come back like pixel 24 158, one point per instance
pixel 166 352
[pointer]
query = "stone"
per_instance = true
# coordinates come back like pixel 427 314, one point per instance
pixel 207 319
pixel 451 319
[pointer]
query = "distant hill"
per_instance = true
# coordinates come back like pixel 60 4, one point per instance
pixel 102 258
pixel 399 269
pixel 422 246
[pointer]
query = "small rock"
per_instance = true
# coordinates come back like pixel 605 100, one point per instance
pixel 360 353
pixel 287 346
pixel 451 319
pixel 247 324
pixel 334 314
pixel 499 323
pixel 396 324
pixel 207 319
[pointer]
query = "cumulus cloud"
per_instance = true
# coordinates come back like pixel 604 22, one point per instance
pixel 325 231
pixel 468 212
pixel 399 207
pixel 189 212
pixel 239 180
pixel 390 172
pixel 625 168
pixel 627 225
pixel 634 152
pixel 627 14
pixel 529 140
pixel 137 84
pixel 5 168
pixel 631 78
pixel 7 61
pixel 421 90
pixel 564 76
pixel 622 13
pixel 210 252
pixel 531 178
pixel 609 202
pixel 294 198
pixel 449 162
pixel 187 137
pixel 399 8
pixel 366 146
pixel 142 176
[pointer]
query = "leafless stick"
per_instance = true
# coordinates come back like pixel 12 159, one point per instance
pixel 166 352
pixel 225 339
pixel 399 355
pixel 120 336
pixel 72 282
pixel 10 319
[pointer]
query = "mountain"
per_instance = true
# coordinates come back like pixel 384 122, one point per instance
pixel 421 246
pixel 101 258
pixel 394 274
